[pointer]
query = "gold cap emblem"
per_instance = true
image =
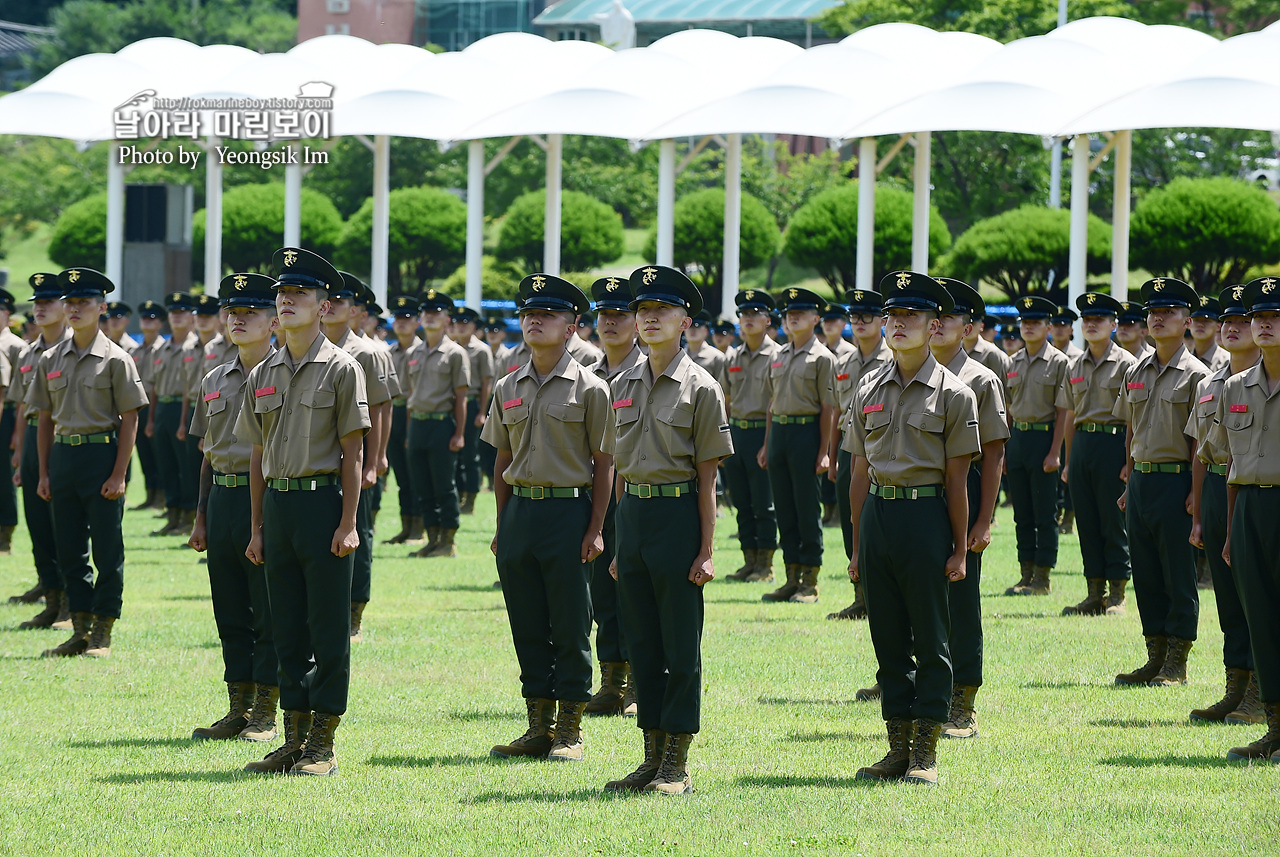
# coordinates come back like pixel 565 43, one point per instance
pixel 859 296
pixel 74 275
pixel 1158 284
pixel 1204 300
pixel 1237 292
pixel 1091 299
pixel 240 280
pixel 1268 286
pixel 290 256
pixel 39 278
pixel 539 282
pixel 750 295
pixel 904 279
pixel 793 294
pixel 650 274
pixel 1027 302
pixel 431 294
pixel 612 284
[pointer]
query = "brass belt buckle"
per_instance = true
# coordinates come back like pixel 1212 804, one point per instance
pixel 645 491
pixel 76 439
pixel 537 492
pixel 283 485
pixel 891 492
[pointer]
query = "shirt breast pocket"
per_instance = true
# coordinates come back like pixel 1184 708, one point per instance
pixel 878 431
pixel 927 422
pixel 215 409
pixel 571 436
pixel 1177 395
pixel 319 408
pixel 515 414
pixel 268 403
pixel 1239 433
pixel 676 428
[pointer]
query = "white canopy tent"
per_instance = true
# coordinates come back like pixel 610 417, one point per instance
pixel 1098 75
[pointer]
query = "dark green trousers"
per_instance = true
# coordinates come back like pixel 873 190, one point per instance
pixel 844 474
pixel 1065 504
pixel 169 451
pixel 903 547
pixel 398 458
pixel 1034 495
pixel 433 467
pixel 39 516
pixel 964 602
pixel 1236 653
pixel 793 451
pixel 310 596
pixel 748 485
pixel 1164 569
pixel 827 490
pixel 610 645
pixel 147 453
pixel 1093 476
pixel 547 590
pixel 661 610
pixel 1255 546
pixel 189 466
pixel 467 473
pixel 8 491
pixel 488 458
pixel 82 515
pixel 241 606
pixel 362 559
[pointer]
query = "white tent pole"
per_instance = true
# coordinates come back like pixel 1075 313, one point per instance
pixel 115 216
pixel 920 211
pixel 866 214
pixel 212 218
pixel 475 222
pixel 666 202
pixel 1120 218
pixel 1055 174
pixel 380 240
pixel 1078 255
pixel 732 224
pixel 293 203
pixel 551 234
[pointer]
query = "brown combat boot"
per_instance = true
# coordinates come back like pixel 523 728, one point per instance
pixel 568 746
pixel 1115 597
pixel 1174 670
pixel 6 539
pixel 829 515
pixel 1264 747
pixel 318 758
pixel 81 625
pixel 748 565
pixel 31 596
pixel 807 592
pixel 282 759
pixel 1027 571
pixel 445 547
pixel 63 622
pixel 962 722
pixel 1157 650
pixel 53 607
pixel 629 705
pixel 402 536
pixel 100 637
pixel 673 774
pixel 608 699
pixel 868 694
pixel 433 539
pixel 1064 526
pixel 923 769
pixel 856 610
pixel 895 763
pixel 1249 712
pixel 1094 604
pixel 786 590
pixel 1039 584
pixel 170 526
pixel 1237 680
pixel 357 616
pixel 467 503
pixel 763 572
pixel 262 717
pixel 240 696
pixel 415 529
pixel 537 740
pixel 655 743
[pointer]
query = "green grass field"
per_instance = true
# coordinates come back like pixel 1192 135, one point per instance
pixel 95 756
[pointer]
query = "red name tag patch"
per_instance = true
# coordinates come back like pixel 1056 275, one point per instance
pixel 209 397
pixel 263 391
pixel 873 409
pixel 843 377
pixel 211 357
pixel 188 358
pixel 511 403
pixel 1011 374
pixel 1076 380
pixel 1208 398
pixel 57 373
pixel 1136 385
pixel 159 360
pixel 25 369
pixel 735 368
pixel 413 362
pixel 622 403
pixel 775 365
pixel 513 367
pixel 1239 409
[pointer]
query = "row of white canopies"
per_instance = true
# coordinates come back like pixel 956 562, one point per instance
pixel 1093 76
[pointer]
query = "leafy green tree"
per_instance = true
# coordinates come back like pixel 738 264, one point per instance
pixel 1016 250
pixel 80 235
pixel 590 232
pixel 1208 232
pixel 698 245
pixel 427 238
pixel 253 227
pixel 824 234
pixel 499 280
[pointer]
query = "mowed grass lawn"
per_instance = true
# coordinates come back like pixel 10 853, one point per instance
pixel 95 756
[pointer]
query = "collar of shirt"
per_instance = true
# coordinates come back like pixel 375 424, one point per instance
pixel 1111 355
pixel 1042 354
pixel 925 375
pixel 561 370
pixel 677 370
pixel 313 355
pixel 602 368
pixel 1256 376
pixel 881 353
pixel 958 361
pixel 1176 362
pixel 395 345
pixel 98 348
pixel 808 346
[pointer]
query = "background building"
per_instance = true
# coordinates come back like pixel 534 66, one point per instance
pixel 780 19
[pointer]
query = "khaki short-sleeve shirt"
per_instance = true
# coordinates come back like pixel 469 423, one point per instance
pixel 11 347
pixel 1203 412
pixel 551 427
pixel 605 372
pixel 1033 383
pixel 377 384
pixel 803 379
pixel 169 365
pixel 86 393
pixel 215 412
pixel 713 360
pixel 994 358
pixel 1156 403
pixel 749 386
pixel 400 362
pixel 144 357
pixel 663 428
pixel 1092 387
pixel 299 414
pixel 519 354
pixel 906 430
pixel 988 393
pixel 434 375
pixel 1215 358
pixel 579 349
pixel 851 368
pixel 481 365
pixel 1246 423
pixel 24 369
